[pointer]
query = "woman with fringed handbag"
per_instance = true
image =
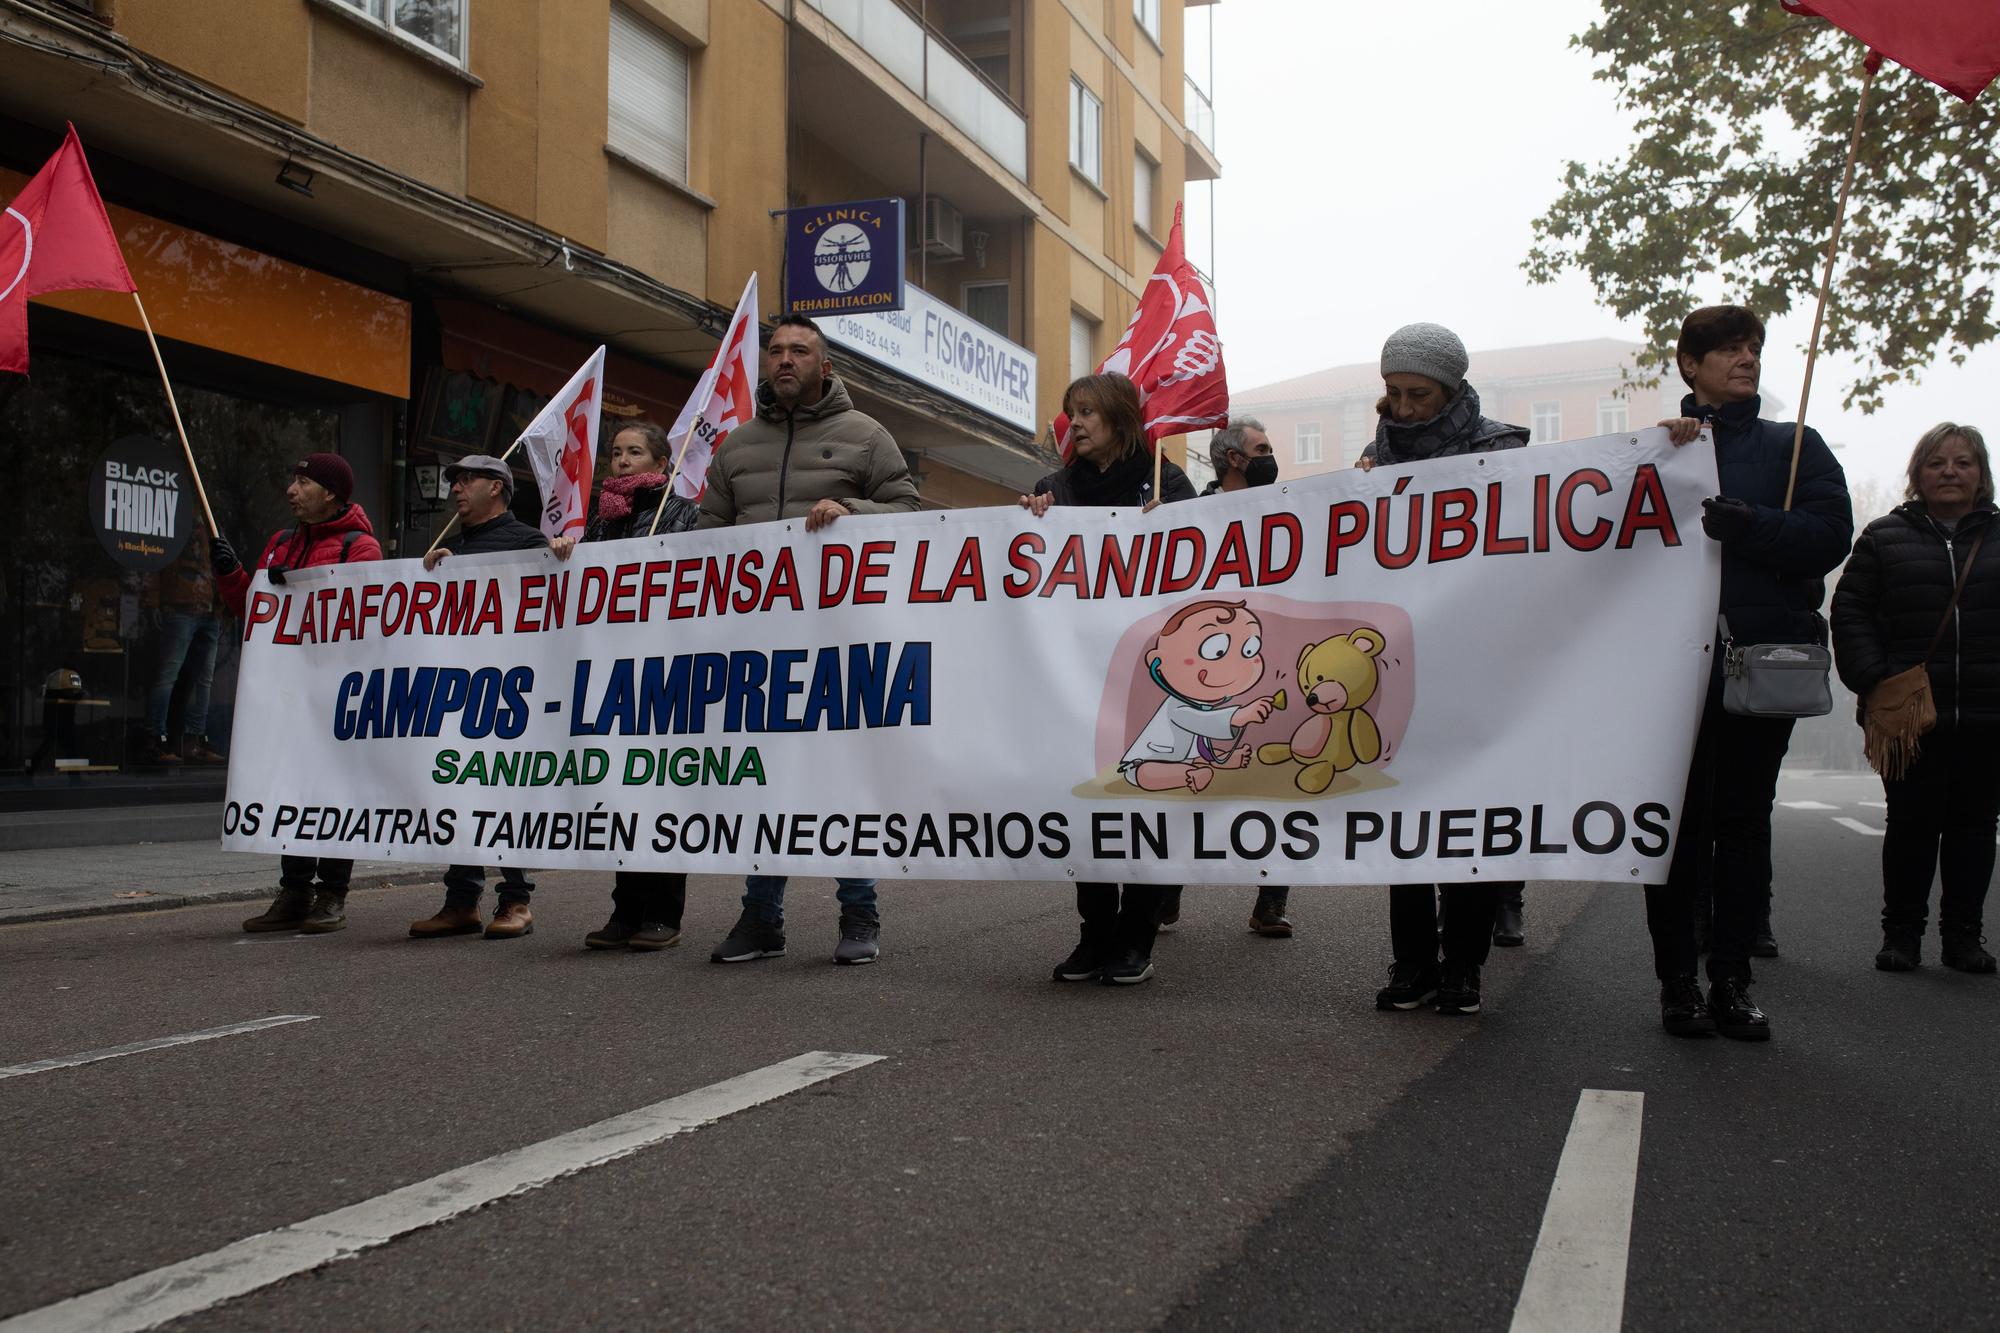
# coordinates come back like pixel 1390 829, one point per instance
pixel 1916 636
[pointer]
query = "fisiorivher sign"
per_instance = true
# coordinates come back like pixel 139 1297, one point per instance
pixel 140 504
pixel 844 257
pixel 944 347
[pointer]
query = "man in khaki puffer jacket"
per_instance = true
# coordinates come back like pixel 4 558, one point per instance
pixel 807 454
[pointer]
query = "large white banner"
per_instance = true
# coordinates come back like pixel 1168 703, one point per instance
pixel 1479 668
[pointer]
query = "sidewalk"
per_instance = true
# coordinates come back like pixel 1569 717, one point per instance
pixel 43 884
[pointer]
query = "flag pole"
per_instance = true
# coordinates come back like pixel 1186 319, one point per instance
pixel 1157 452
pixel 193 469
pixel 445 531
pixel 1872 63
pixel 673 476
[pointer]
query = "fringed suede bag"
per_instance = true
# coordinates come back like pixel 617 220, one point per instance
pixel 1900 711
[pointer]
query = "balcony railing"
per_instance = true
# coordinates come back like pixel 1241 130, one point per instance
pixel 1200 114
pixel 934 71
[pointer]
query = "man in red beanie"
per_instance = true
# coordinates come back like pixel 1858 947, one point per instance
pixel 331 530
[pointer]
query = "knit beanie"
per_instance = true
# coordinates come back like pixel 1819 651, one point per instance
pixel 1431 350
pixel 330 471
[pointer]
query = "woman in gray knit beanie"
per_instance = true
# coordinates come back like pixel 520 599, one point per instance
pixel 1429 411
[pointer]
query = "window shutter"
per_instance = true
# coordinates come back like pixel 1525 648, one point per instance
pixel 649 95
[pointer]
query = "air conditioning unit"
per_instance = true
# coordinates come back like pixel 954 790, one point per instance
pixel 944 229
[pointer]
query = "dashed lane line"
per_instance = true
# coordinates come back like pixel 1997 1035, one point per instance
pixel 155 1044
pixel 1857 826
pixel 1576 1277
pixel 1807 805
pixel 207 1280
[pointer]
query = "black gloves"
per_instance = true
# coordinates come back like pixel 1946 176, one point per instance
pixel 1725 519
pixel 222 557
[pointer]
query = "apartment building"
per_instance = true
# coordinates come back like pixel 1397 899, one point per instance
pixel 391 228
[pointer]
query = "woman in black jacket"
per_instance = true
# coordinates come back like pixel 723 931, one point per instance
pixel 1110 466
pixel 1890 605
pixel 646 905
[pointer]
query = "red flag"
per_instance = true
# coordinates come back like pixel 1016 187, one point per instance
pixel 1170 352
pixel 54 237
pixel 1953 43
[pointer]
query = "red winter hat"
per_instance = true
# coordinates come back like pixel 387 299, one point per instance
pixel 330 471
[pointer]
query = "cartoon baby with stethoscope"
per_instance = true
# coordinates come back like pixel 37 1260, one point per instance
pixel 1208 653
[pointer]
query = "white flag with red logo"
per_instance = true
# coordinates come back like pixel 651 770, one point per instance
pixel 561 444
pixel 1170 352
pixel 722 401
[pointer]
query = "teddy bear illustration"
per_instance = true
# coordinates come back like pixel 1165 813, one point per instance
pixel 1338 676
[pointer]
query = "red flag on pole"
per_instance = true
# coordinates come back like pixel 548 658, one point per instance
pixel 1170 352
pixel 54 237
pixel 1953 43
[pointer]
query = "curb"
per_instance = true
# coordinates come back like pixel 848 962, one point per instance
pixel 167 902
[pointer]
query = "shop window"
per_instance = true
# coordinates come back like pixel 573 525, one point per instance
pixel 105 653
pixel 649 95
pixel 436 25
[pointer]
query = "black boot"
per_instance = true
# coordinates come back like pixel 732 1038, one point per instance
pixel 1268 916
pixel 1683 1010
pixel 1902 950
pixel 1736 1014
pixel 1508 929
pixel 1964 951
pixel 1764 944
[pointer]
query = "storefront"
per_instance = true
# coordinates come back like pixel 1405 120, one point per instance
pixel 120 662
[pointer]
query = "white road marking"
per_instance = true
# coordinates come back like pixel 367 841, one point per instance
pixel 1808 805
pixel 157 1043
pixel 1857 826
pixel 1874 805
pixel 1576 1278
pixel 196 1284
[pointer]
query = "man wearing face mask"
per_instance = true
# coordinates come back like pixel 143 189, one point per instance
pixel 1241 455
pixel 1242 458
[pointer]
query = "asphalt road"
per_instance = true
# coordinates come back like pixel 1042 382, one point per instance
pixel 1244 1142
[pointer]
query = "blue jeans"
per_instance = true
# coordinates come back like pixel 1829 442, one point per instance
pixel 765 895
pixel 191 639
pixel 464 884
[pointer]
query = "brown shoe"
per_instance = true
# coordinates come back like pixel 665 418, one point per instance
pixel 448 921
pixel 286 912
pixel 197 750
pixel 653 935
pixel 511 921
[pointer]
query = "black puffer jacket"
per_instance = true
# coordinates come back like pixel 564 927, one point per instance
pixel 1128 482
pixel 1892 596
pixel 1773 578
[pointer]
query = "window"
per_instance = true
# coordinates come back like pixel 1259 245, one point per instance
pixel 1546 426
pixel 1306 449
pixel 1145 185
pixel 1613 418
pixel 1086 113
pixel 437 25
pixel 987 303
pixel 1082 345
pixel 649 95
pixel 1147 12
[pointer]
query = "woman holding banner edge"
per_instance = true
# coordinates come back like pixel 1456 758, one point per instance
pixel 1110 467
pixel 1428 410
pixel 646 905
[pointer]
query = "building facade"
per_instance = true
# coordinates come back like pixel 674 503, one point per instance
pixel 1560 391
pixel 391 228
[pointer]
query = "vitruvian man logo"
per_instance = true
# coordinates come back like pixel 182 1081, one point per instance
pixel 841 258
